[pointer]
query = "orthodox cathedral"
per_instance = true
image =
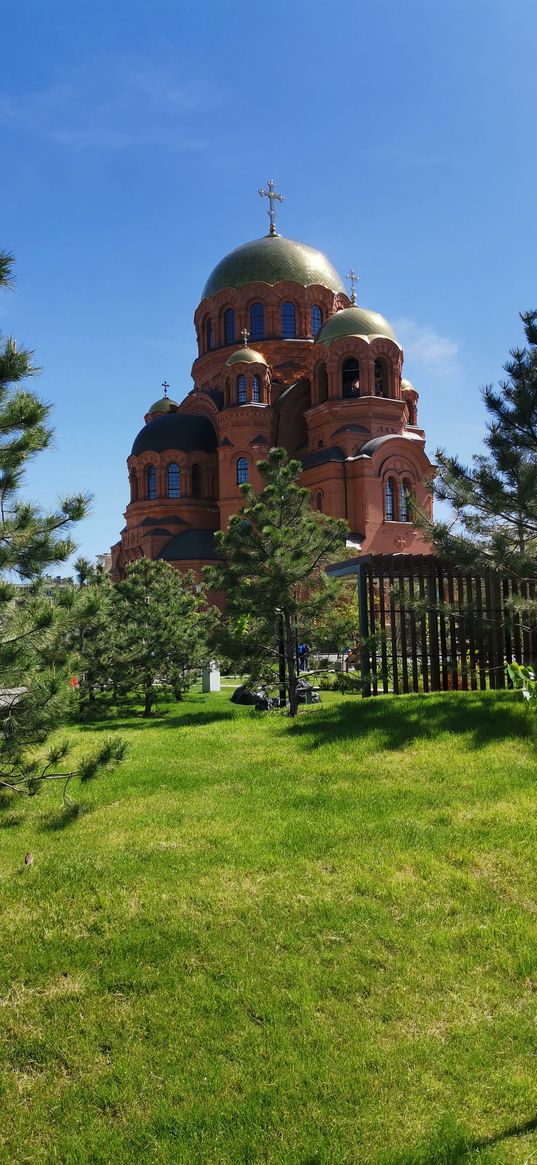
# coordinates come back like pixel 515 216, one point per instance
pixel 285 357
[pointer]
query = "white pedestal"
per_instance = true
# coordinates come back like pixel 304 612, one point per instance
pixel 210 678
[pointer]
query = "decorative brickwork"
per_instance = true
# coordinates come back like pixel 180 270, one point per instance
pixel 331 393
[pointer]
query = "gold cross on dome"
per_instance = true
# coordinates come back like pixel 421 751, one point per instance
pixel 272 197
pixel 245 336
pixel 165 386
pixel 353 280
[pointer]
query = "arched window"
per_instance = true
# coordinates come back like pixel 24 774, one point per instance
pixel 196 481
pixel 174 481
pixel 382 380
pixel 242 470
pixel 229 326
pixel 227 391
pixel 389 499
pixel 316 319
pixel 288 321
pixel 241 390
pixel 412 411
pixel 322 383
pixel 134 487
pixel 151 482
pixel 319 502
pixel 350 378
pixel 256 397
pixel 257 321
pixel 404 501
pixel 209 340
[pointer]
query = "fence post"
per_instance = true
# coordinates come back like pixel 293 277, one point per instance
pixel 433 630
pixel 361 585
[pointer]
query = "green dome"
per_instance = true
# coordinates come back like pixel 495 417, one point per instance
pixel 162 406
pixel 271 260
pixel 245 356
pixel 355 321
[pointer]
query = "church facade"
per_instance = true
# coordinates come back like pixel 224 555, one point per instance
pixel 285 357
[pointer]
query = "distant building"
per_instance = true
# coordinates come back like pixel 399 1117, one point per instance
pixel 285 357
pixel 50 584
pixel 105 561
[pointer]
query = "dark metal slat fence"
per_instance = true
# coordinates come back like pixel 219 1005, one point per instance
pixel 425 626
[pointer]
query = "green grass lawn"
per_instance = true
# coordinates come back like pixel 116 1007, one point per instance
pixel 277 943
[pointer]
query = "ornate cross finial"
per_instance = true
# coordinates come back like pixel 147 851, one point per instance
pixel 165 386
pixel 272 197
pixel 353 280
pixel 245 336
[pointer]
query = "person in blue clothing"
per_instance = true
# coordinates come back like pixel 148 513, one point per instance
pixel 303 656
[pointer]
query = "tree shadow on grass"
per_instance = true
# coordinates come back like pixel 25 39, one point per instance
pixel 394 722
pixel 62 818
pixel 449 1145
pixel 161 720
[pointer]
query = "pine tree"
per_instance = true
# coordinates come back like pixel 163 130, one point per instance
pixel 34 650
pixel 160 638
pixel 93 632
pixel 495 499
pixel 271 573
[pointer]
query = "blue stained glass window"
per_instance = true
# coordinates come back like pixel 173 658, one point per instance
pixel 404 508
pixel 241 390
pixel 229 326
pixel 316 319
pixel 389 500
pixel 288 321
pixel 242 470
pixel 257 390
pixel 174 481
pixel 257 321
pixel 151 482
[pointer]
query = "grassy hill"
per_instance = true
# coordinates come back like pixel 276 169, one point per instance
pixel 276 943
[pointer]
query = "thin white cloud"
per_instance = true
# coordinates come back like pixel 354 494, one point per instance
pixel 115 108
pixel 427 347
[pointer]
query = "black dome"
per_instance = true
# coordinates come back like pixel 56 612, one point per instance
pixel 191 544
pixel 182 431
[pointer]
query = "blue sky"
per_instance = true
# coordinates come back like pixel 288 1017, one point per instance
pixel 135 135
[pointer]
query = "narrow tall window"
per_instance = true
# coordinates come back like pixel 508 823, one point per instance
pixel 288 321
pixel 319 502
pixel 209 342
pixel 241 390
pixel 404 504
pixel 242 470
pixel 196 481
pixel 174 481
pixel 257 321
pixel 256 397
pixel 229 326
pixel 389 499
pixel 134 487
pixel 151 482
pixel 350 378
pixel 316 319
pixel 382 387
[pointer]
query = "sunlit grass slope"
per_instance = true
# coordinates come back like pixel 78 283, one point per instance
pixel 276 943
